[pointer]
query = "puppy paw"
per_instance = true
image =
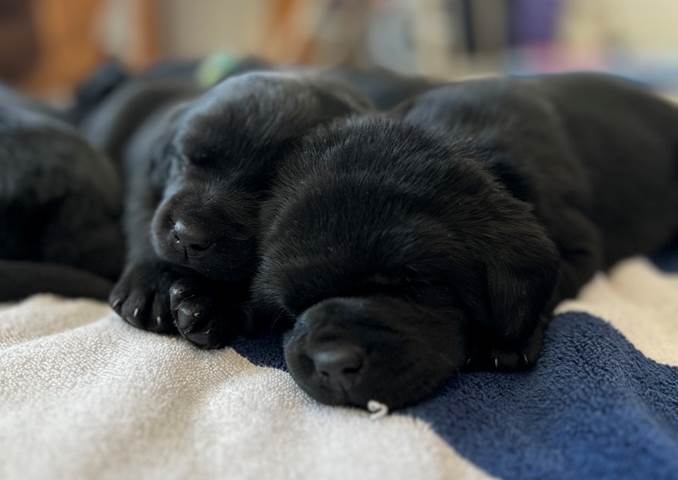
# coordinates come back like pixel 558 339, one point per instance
pixel 519 359
pixel 509 358
pixel 201 315
pixel 141 296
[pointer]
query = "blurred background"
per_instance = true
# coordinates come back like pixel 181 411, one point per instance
pixel 47 46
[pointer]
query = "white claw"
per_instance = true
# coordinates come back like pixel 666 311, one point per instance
pixel 158 319
pixel 196 314
pixel 525 359
pixel 496 362
pixel 136 312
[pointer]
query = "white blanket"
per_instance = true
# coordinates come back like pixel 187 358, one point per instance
pixel 85 396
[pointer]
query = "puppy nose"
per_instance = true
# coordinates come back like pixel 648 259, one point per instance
pixel 192 237
pixel 340 363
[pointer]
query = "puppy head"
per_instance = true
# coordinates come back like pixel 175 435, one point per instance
pixel 397 261
pixel 225 149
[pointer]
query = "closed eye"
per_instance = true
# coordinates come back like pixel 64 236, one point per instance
pixel 419 289
pixel 372 286
pixel 403 286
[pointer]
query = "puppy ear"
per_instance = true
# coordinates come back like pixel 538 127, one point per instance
pixel 520 282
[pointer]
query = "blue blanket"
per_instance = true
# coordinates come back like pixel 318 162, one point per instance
pixel 595 407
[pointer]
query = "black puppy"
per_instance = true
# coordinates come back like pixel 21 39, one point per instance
pixel 197 172
pixel 403 250
pixel 59 206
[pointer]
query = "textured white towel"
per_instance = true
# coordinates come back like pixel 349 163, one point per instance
pixel 83 395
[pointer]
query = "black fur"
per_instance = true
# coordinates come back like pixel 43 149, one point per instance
pixel 93 90
pixel 19 279
pixel 113 103
pixel 111 76
pixel 116 119
pixel 197 171
pixel 402 250
pixel 59 206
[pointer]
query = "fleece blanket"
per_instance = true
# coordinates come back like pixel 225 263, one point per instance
pixel 83 395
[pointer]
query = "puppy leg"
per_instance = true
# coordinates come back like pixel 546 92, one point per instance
pixel 206 313
pixel 581 256
pixel 581 251
pixel 490 356
pixel 141 295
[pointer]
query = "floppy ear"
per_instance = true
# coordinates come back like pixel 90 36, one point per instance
pixel 520 284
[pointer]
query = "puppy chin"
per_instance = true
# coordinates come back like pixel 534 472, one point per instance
pixel 347 351
pixel 224 269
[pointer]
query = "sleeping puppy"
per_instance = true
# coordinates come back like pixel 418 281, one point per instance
pixel 59 206
pixel 197 171
pixel 403 251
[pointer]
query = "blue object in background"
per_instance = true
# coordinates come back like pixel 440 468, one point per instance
pixel 533 21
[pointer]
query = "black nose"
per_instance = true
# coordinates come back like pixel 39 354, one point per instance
pixel 339 363
pixel 194 238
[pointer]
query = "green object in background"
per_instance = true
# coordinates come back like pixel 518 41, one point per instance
pixel 214 68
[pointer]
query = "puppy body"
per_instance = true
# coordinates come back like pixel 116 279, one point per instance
pixel 596 144
pixel 404 250
pixel 198 170
pixel 59 203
